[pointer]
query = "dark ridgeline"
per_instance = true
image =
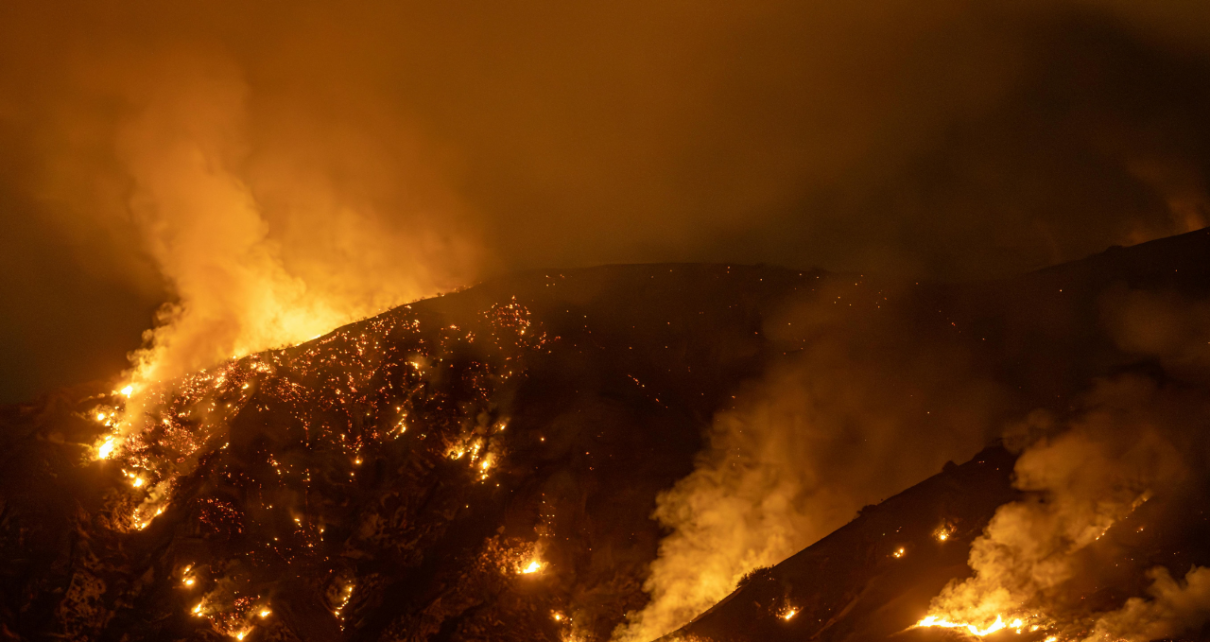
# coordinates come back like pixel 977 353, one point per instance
pixel 395 478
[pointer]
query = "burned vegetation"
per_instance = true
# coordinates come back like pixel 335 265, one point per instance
pixel 485 465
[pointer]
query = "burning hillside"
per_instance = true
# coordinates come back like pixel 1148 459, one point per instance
pixel 479 466
pixel 485 466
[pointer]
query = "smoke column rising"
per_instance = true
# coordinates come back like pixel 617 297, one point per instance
pixel 1133 440
pixel 1080 482
pixel 259 249
pixel 836 426
pixel 433 143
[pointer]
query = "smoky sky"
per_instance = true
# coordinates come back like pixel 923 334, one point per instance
pixel 943 139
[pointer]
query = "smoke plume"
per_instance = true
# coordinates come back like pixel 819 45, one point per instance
pixel 1095 472
pixel 274 243
pixel 421 145
pixel 840 424
pixel 1133 440
pixel 1174 608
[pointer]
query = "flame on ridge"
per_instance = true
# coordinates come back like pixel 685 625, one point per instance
pixel 999 625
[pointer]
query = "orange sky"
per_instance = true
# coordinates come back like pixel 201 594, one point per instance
pixel 427 145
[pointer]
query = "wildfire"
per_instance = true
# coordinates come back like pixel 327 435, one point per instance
pixel 999 625
pixel 106 449
pixel 943 532
pixel 348 595
pixel 159 433
pixel 899 552
pixel 788 613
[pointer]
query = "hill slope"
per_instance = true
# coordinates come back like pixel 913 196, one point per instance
pixel 483 465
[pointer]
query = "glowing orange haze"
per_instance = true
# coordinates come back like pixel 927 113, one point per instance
pixel 269 249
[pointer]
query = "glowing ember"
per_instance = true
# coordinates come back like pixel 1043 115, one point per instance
pixel 348 595
pixel 788 613
pixel 162 435
pixel 899 552
pixel 943 532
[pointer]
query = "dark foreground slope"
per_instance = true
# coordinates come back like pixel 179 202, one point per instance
pixel 874 577
pixel 397 478
pixel 1135 313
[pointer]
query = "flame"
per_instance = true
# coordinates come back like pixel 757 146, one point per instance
pixel 184 417
pixel 127 391
pixel 106 449
pixel 788 613
pixel 974 630
pixel 899 552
